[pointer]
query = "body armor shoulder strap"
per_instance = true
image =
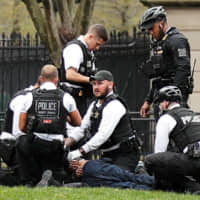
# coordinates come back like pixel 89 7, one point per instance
pixel 57 91
pixel 20 92
pixel 172 31
pixel 169 33
pixel 84 49
pixel 175 113
pixel 115 96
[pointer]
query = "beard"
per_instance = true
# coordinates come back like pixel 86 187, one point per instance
pixel 102 96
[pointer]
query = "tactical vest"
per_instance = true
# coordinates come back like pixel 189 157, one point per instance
pixel 8 120
pixel 162 58
pixel 187 129
pixel 86 68
pixel 122 131
pixel 50 114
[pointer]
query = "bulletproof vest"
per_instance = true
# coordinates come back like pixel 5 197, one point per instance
pixel 86 68
pixel 50 114
pixel 8 119
pixel 162 58
pixel 187 129
pixel 123 129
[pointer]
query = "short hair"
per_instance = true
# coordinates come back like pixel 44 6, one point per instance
pixel 49 72
pixel 100 30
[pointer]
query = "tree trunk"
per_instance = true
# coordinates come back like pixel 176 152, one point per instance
pixel 57 26
pixel 83 16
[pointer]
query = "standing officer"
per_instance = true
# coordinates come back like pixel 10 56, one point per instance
pixel 79 64
pixel 109 126
pixel 177 144
pixel 43 117
pixel 170 62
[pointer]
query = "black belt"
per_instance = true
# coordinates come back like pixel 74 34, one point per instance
pixel 46 142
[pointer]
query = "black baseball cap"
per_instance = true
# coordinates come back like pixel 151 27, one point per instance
pixel 102 75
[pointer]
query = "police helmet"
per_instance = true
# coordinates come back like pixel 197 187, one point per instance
pixel 151 16
pixel 168 93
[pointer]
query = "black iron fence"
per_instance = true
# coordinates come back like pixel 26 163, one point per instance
pixel 21 58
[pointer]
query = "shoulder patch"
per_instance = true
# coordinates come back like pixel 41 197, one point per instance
pixel 182 52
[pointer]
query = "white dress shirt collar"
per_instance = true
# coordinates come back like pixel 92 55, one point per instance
pixel 48 86
pixel 173 106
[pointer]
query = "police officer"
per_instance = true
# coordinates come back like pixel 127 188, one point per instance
pixel 170 60
pixel 108 125
pixel 10 130
pixel 11 123
pixel 79 64
pixel 177 144
pixel 43 117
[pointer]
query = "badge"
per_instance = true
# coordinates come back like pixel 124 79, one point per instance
pixel 80 93
pixel 96 114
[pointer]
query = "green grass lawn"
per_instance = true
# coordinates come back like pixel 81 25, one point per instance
pixel 52 193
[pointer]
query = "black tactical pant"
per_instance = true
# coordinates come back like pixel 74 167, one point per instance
pixel 171 169
pixel 36 155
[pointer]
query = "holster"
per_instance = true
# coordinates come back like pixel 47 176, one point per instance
pixel 129 145
pixel 86 91
pixel 31 124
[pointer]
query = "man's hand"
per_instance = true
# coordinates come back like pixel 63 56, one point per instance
pixel 144 111
pixel 74 155
pixel 69 141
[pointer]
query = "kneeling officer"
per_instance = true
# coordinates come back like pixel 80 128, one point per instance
pixel 43 115
pixel 108 124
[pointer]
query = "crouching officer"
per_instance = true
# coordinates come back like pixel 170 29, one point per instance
pixel 177 144
pixel 169 63
pixel 43 117
pixel 109 126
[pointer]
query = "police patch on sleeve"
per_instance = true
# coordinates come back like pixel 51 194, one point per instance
pixel 182 52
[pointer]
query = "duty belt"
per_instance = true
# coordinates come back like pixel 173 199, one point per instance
pixel 116 146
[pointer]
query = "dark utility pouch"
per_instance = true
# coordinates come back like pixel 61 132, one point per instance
pixel 194 150
pixel 128 145
pixel 31 124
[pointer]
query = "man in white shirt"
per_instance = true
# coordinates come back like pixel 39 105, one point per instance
pixel 79 63
pixel 177 144
pixel 10 130
pixel 43 117
pixel 108 124
pixel 11 123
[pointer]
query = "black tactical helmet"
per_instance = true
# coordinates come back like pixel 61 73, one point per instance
pixel 151 16
pixel 168 93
